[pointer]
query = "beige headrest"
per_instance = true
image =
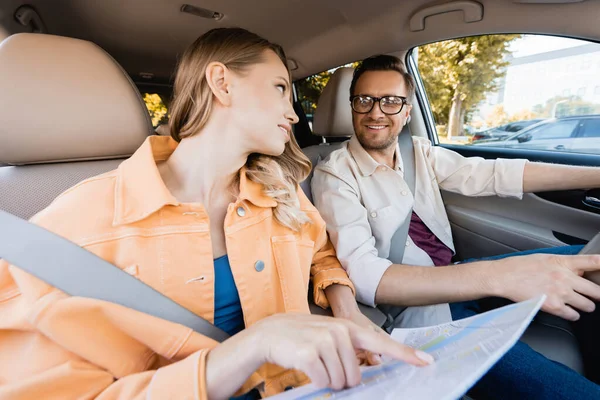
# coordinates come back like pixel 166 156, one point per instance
pixel 64 99
pixel 333 116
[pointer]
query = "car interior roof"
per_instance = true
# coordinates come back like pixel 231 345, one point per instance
pixel 146 38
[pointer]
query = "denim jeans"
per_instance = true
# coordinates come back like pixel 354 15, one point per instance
pixel 524 373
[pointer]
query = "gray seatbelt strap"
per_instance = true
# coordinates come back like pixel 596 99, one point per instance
pixel 78 272
pixel 398 241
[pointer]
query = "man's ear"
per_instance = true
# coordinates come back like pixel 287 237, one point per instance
pixel 407 111
pixel 217 76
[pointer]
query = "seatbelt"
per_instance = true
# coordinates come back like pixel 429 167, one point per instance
pixel 398 241
pixel 78 272
pixel 407 151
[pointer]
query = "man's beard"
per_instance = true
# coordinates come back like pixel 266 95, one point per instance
pixel 368 144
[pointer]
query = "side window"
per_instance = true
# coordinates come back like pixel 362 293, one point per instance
pixel 558 130
pixel 484 90
pixel 591 127
pixel 309 90
pixel 156 105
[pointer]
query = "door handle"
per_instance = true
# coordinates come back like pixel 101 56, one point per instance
pixel 592 202
pixel 560 147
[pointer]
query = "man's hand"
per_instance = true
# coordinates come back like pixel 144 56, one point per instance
pixel 559 277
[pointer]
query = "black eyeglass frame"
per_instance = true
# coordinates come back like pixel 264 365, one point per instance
pixel 377 100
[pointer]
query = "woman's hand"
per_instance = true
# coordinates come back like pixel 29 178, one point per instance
pixel 324 348
pixel 361 320
pixel 343 305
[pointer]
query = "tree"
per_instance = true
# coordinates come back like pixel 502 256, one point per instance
pixel 156 108
pixel 309 89
pixel 497 117
pixel 459 73
pixel 563 106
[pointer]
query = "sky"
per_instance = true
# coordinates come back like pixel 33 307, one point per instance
pixel 535 44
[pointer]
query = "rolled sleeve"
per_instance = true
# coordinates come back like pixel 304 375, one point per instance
pixel 326 270
pixel 475 176
pixel 184 379
pixel 369 278
pixel 350 232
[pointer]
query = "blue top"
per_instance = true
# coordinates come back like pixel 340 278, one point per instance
pixel 228 309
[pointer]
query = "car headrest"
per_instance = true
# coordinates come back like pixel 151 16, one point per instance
pixel 64 99
pixel 333 116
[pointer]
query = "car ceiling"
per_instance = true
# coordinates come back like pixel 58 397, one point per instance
pixel 146 37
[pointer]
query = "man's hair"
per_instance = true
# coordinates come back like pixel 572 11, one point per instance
pixel 383 62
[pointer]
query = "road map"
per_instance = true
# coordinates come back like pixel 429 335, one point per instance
pixel 464 351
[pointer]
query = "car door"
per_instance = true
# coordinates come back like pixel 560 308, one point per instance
pixel 540 80
pixel 555 135
pixel 588 138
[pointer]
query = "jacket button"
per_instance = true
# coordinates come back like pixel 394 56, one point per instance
pixel 259 265
pixel 407 243
pixel 241 212
pixel 373 214
pixel 404 193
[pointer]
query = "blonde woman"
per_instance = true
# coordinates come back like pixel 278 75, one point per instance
pixel 212 218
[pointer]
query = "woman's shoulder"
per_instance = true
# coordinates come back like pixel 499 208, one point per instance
pixel 86 207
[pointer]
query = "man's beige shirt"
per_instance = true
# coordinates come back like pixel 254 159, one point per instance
pixel 364 202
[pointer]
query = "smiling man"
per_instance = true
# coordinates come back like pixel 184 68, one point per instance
pixel 361 192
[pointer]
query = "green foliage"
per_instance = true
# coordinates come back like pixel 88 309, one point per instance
pixel 156 108
pixel 462 71
pixel 564 106
pixel 309 89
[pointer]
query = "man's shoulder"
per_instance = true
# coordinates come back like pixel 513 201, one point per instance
pixel 338 161
pixel 421 141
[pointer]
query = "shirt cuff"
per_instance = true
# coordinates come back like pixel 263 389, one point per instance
pixel 323 279
pixel 367 279
pixel 509 177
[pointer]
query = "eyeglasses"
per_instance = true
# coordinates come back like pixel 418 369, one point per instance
pixel 388 105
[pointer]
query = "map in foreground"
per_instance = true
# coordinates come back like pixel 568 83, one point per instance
pixel 464 351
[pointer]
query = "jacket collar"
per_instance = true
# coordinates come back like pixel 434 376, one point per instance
pixel 140 190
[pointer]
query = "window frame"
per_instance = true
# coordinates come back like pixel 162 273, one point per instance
pixel 568 158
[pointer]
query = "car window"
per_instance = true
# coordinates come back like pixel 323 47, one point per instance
pixel 557 130
pixel 590 128
pixel 485 89
pixel 309 90
pixel 159 114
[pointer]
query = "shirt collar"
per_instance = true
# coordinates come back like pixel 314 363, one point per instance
pixel 366 163
pixel 140 190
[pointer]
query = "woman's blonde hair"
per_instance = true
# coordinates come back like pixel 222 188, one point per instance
pixel 238 49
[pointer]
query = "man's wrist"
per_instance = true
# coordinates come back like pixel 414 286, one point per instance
pixel 486 275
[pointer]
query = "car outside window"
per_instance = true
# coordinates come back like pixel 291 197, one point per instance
pixel 591 128
pixel 558 130
pixel 482 90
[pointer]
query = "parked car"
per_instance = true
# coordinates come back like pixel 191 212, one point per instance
pixel 503 131
pixel 579 134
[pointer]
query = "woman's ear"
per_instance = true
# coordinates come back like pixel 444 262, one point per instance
pixel 217 77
